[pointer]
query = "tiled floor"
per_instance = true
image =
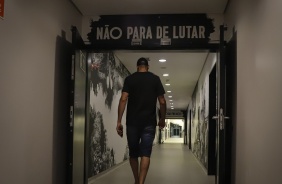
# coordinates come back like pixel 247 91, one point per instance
pixel 170 164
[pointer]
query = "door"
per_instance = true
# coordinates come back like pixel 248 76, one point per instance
pixel 77 123
pixel 185 127
pixel 77 118
pixel 190 127
pixel 220 116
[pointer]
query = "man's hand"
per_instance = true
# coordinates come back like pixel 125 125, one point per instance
pixel 161 124
pixel 121 107
pixel 162 102
pixel 119 129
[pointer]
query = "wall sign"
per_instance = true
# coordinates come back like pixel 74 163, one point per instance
pixel 2 9
pixel 153 31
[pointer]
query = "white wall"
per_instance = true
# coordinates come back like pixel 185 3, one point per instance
pixel 27 79
pixel 258 146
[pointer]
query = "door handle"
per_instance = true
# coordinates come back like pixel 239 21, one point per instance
pixel 215 117
pixel 220 117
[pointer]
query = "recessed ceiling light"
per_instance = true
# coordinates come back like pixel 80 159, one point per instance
pixel 170 100
pixel 162 60
pixel 168 91
pixel 169 96
pixel 172 108
pixel 166 75
pixel 167 84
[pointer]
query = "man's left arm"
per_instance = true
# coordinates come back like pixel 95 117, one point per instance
pixel 162 103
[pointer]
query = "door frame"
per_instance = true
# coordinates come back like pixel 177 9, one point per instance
pixel 231 105
pixel 224 107
pixel 77 43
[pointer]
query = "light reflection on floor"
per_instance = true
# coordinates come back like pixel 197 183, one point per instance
pixel 174 140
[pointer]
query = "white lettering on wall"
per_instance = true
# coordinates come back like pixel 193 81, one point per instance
pixel 149 34
pixel 180 32
pixel 159 32
pixel 106 33
pixel 118 35
pixel 142 32
pixel 162 32
pixel 129 32
pixel 202 31
pixel 139 32
pixel 194 32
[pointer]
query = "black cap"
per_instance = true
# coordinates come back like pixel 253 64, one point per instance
pixel 142 61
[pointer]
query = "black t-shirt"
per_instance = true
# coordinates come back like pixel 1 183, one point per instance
pixel 143 89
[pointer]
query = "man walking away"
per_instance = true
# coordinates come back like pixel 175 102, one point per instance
pixel 140 92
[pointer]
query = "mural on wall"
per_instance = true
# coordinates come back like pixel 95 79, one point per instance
pixel 200 147
pixel 106 79
pixel 101 156
pixel 106 75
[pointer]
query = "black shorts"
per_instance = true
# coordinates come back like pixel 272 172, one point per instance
pixel 140 140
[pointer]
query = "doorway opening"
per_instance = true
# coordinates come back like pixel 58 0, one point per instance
pixel 188 73
pixel 197 113
pixel 174 131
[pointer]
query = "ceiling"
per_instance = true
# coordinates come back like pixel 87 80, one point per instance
pixel 114 7
pixel 184 67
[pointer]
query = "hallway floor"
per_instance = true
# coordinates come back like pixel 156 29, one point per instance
pixel 170 164
pixel 174 140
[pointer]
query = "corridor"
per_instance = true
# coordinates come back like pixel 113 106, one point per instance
pixel 170 164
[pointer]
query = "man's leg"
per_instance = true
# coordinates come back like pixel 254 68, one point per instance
pixel 133 145
pixel 147 138
pixel 135 168
pixel 144 167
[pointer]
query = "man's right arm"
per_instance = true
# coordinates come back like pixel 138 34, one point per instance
pixel 121 108
pixel 122 105
pixel 162 103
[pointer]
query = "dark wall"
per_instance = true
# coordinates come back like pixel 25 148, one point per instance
pixel 61 110
pixel 212 123
pixel 231 103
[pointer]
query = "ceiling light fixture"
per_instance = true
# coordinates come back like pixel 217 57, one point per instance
pixel 166 75
pixel 169 96
pixel 168 91
pixel 167 84
pixel 162 60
